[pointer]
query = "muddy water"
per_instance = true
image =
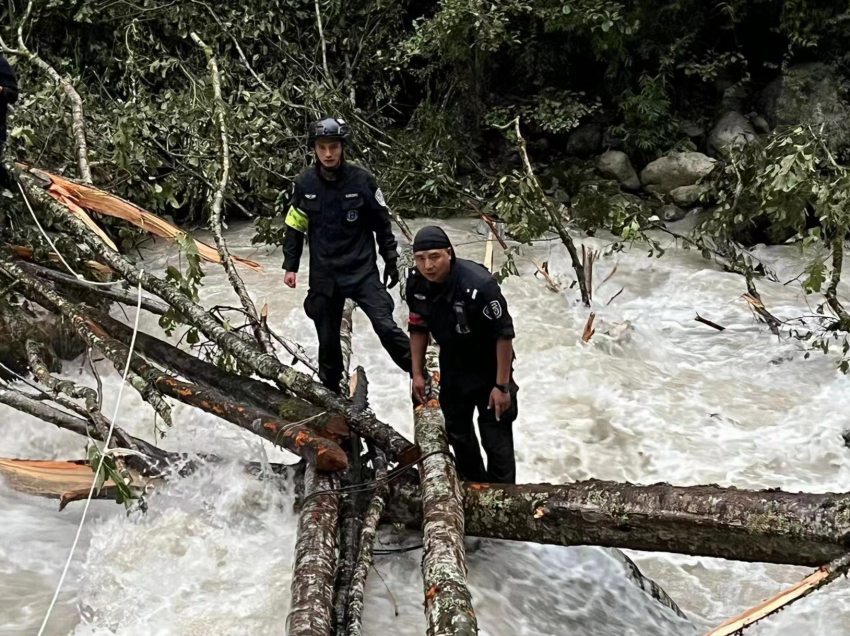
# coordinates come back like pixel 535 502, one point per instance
pixel 654 396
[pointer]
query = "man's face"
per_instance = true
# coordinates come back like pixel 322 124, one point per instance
pixel 329 152
pixel 434 265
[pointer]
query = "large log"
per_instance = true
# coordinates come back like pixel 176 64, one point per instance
pixel 313 573
pixel 351 502
pixel 294 436
pixel 448 603
pixel 369 529
pixel 255 392
pixel 769 526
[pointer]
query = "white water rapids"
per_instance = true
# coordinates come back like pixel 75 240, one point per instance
pixel 669 400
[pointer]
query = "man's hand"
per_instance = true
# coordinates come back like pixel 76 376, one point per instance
pixel 391 273
pixel 419 388
pixel 499 401
pixel 290 279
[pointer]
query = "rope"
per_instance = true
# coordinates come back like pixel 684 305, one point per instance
pixel 283 431
pixel 102 456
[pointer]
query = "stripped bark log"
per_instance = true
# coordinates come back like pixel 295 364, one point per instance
pixel 260 331
pixel 156 459
pixel 71 480
pixel 814 581
pixel 769 526
pixel 366 424
pixel 311 607
pixel 448 603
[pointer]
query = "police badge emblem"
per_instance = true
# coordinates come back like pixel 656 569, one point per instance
pixel 351 216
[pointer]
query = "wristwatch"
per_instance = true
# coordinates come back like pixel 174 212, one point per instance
pixel 503 388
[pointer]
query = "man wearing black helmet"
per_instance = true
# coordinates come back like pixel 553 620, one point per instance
pixel 341 210
pixel 461 305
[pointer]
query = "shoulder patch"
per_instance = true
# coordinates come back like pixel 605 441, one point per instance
pixel 493 310
pixel 379 197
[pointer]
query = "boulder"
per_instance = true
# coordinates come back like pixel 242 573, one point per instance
pixel 808 94
pixel 671 212
pixel 731 131
pixel 616 165
pixel 689 195
pixel 676 169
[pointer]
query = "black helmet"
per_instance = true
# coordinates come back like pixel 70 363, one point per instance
pixel 329 128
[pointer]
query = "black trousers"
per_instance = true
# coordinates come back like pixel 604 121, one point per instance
pixel 326 312
pixel 497 437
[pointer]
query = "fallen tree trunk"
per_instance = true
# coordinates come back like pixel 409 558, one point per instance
pixel 769 526
pixel 311 606
pixel 294 436
pixel 124 296
pixel 256 392
pixel 448 603
pixel 367 541
pixel 350 504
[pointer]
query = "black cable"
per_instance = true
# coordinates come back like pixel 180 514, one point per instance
pixel 385 551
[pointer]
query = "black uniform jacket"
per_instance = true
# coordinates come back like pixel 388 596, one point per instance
pixel 342 219
pixel 466 316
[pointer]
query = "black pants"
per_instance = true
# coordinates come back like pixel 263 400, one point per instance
pixel 497 437
pixel 326 312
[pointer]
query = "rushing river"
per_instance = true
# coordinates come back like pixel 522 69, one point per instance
pixel 662 399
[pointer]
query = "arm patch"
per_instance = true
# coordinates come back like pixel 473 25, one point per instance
pixel 297 220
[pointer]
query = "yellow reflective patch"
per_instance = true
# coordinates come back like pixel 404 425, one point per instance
pixel 297 220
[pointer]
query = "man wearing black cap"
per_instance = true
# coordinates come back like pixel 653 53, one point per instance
pixel 8 95
pixel 461 305
pixel 341 210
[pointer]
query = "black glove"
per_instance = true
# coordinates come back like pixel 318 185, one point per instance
pixel 391 273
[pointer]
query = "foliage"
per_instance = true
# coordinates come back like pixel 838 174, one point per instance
pixel 791 186
pixel 648 127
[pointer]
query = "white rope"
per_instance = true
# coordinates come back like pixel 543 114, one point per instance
pixel 283 431
pixel 102 456
pixel 53 245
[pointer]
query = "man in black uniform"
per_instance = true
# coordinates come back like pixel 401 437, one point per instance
pixel 8 95
pixel 341 210
pixel 459 303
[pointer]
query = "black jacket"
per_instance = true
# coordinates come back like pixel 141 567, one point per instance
pixel 342 220
pixel 9 94
pixel 472 296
